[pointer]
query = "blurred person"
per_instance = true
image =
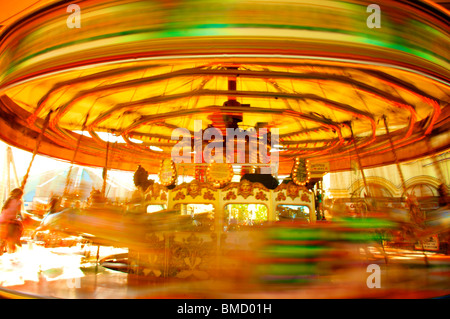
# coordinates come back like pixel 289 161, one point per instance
pixel 318 202
pixel 96 198
pixel 327 205
pixel 10 221
pixel 362 208
pixel 77 205
pixel 67 203
pixel 370 202
pixel 54 206
pixel 414 209
pixel 444 199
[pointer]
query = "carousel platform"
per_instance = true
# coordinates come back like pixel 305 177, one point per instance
pixel 37 272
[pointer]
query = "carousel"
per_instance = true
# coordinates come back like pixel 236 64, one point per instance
pixel 229 115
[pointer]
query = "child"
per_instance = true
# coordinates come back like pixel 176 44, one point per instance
pixel 11 226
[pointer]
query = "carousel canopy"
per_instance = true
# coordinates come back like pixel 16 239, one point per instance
pixel 132 71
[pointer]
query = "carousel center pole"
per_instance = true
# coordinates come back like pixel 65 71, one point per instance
pixel 38 142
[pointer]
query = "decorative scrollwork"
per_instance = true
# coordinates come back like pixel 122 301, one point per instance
pixel 230 195
pixel 179 196
pixel 190 257
pixel 305 198
pixel 280 197
pixel 208 195
pixel 261 196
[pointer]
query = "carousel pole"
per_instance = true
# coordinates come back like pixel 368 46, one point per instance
pixel 97 257
pixel 359 161
pixel 12 163
pixel 111 159
pixel 66 188
pixel 440 174
pixel 442 188
pixel 8 174
pixel 8 163
pixel 3 183
pixel 105 170
pixel 38 142
pixel 413 211
pixel 400 173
